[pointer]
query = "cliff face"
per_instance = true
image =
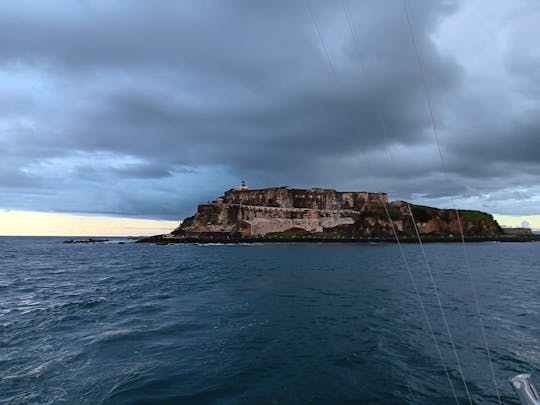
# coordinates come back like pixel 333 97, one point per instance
pixel 438 221
pixel 324 213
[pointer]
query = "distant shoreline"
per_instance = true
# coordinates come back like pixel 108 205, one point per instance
pixel 166 240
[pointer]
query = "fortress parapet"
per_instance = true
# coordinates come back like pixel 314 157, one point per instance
pixel 258 212
pixel 314 198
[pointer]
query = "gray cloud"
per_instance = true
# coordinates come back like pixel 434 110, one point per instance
pixel 145 111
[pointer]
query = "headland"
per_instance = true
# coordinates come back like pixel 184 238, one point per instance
pixel 283 214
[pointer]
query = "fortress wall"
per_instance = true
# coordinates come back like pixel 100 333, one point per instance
pixel 217 217
pixel 258 212
pixel 315 198
pixel 262 226
pixel 271 197
pixel 246 213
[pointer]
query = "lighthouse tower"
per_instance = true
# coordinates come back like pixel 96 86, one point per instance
pixel 243 186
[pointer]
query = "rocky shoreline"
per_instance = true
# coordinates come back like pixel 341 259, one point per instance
pixel 89 240
pixel 168 240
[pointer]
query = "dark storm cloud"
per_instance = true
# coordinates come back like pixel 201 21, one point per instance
pixel 156 107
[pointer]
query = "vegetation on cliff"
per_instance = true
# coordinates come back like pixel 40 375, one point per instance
pixel 184 224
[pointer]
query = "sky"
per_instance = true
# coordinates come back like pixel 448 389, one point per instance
pixel 139 110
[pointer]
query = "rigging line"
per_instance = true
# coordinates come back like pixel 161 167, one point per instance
pixel 357 49
pixel 385 133
pixel 353 32
pixel 362 67
pixel 411 277
pixel 439 303
pixel 420 301
pixel 419 239
pixel 325 49
pixel 443 164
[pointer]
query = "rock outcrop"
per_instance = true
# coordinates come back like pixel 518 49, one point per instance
pixel 282 212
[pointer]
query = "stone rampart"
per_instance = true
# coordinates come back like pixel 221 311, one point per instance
pixel 250 220
pixel 246 213
pixel 263 226
pixel 314 198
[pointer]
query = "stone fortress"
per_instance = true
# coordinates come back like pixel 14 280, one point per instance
pixel 278 214
pixel 323 214
pixel 259 212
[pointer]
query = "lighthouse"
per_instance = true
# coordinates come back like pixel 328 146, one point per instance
pixel 243 186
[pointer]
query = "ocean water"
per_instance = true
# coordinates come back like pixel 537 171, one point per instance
pixel 259 324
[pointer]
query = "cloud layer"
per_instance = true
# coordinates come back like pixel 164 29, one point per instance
pixel 144 110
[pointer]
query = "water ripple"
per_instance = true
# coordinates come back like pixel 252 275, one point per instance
pixel 257 324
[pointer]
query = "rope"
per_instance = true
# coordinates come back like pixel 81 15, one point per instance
pixel 460 369
pixel 325 49
pixel 443 165
pixel 439 303
pixel 407 265
pixel 420 302
pixel 353 32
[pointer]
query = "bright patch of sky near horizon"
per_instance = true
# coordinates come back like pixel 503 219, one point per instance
pixel 28 223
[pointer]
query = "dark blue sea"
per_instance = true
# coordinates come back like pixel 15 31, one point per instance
pixel 260 324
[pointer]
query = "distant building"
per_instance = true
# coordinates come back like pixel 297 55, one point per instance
pixel 243 186
pixel 517 231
